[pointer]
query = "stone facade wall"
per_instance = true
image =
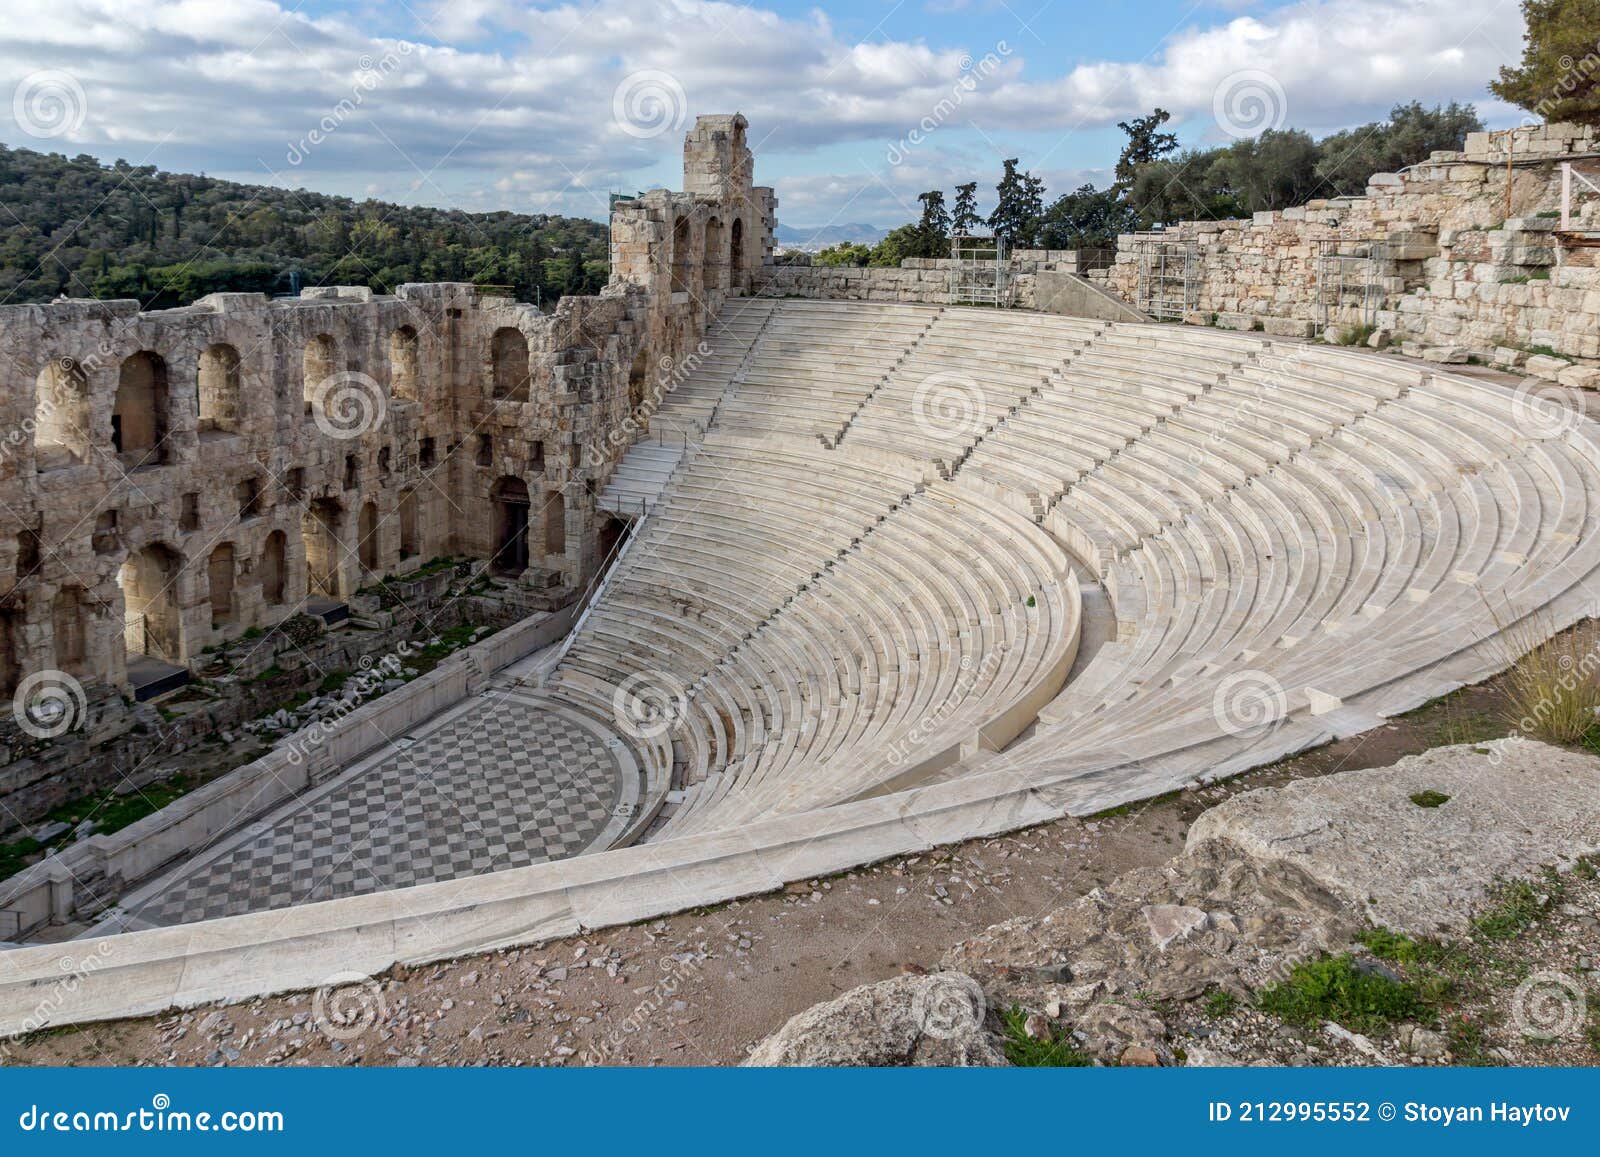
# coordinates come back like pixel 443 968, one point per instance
pixel 925 280
pixel 1473 262
pixel 171 480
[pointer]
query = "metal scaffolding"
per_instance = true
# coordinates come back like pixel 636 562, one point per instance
pixel 1349 282
pixel 979 275
pixel 1169 278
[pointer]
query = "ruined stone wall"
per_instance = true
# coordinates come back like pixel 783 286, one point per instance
pixel 925 280
pixel 1472 265
pixel 170 480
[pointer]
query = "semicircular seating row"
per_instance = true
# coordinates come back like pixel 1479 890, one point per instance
pixel 865 573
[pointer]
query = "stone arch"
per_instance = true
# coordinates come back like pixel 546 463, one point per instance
pixel 555 523
pixel 367 536
pixel 511 504
pixel 736 277
pixel 318 362
pixel 61 415
pixel 139 414
pixel 152 623
pixel 682 261
pixel 219 584
pixel 712 264
pixel 508 363
pixel 403 355
pixel 320 530
pixel 274 568
pixel 217 384
pixel 68 631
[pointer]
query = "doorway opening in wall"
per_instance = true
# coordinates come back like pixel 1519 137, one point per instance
pixel 274 565
pixel 367 544
pixel 611 531
pixel 409 547
pixel 151 623
pixel 510 497
pixel 319 528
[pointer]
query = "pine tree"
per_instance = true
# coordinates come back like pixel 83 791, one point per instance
pixel 1559 77
pixel 1019 205
pixel 966 217
pixel 1145 144
pixel 933 231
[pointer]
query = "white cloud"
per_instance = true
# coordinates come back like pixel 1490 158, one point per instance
pixel 520 115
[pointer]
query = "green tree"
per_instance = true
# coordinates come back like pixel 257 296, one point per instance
pixel 845 253
pixel 1018 207
pixel 1146 143
pixel 1346 159
pixel 933 231
pixel 1559 77
pixel 1086 218
pixel 966 219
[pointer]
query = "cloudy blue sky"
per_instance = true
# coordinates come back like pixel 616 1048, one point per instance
pixel 854 105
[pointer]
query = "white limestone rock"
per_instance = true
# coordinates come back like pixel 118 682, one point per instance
pixel 909 1020
pixel 1514 805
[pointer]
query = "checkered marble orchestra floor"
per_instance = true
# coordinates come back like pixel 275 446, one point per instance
pixel 500 784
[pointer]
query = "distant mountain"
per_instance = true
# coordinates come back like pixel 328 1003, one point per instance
pixel 814 237
pixel 78 227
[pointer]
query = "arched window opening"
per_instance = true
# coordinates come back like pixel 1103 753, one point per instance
pixel 681 259
pixel 139 415
pixel 61 415
pixel 218 387
pixel 711 267
pixel 318 363
pixel 403 364
pixel 508 355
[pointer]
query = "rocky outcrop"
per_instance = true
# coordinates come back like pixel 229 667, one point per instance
pixel 1268 879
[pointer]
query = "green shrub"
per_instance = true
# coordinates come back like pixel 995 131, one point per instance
pixel 1334 988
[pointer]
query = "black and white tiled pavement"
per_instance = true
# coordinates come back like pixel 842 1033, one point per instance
pixel 497 782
